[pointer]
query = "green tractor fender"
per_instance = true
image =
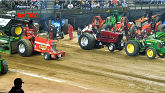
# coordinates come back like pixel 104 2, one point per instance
pixel 140 46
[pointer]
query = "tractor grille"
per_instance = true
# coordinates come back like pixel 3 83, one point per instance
pixel 160 45
pixel 120 37
pixel 53 46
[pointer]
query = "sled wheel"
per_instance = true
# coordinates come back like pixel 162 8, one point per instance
pixel 151 53
pixel 24 47
pixel 132 48
pixel 111 47
pixel 46 56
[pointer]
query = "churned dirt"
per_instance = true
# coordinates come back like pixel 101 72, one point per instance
pixel 85 71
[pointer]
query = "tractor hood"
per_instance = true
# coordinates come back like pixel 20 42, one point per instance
pixel 159 36
pixel 4 22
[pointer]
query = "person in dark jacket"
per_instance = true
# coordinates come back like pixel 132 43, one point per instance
pixel 17 88
pixel 55 33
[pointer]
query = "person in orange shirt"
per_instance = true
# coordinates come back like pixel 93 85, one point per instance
pixel 70 31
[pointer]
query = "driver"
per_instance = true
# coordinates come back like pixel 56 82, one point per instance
pixel 141 37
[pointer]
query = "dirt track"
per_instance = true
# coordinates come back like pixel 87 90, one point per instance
pixel 97 69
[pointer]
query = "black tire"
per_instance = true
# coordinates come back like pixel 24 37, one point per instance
pixel 161 55
pixel 160 27
pixel 133 30
pixel 132 44
pixel 46 56
pixel 28 48
pixel 106 27
pixel 90 41
pixel 62 36
pixel 151 53
pixel 142 53
pixel 4 68
pixel 157 19
pixel 111 47
pixel 17 31
pixel 65 27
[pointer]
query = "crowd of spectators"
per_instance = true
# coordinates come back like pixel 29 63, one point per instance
pixel 79 4
pixel 68 4
pixel 20 4
pixel 150 1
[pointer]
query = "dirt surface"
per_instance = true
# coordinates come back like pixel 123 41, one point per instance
pixel 85 71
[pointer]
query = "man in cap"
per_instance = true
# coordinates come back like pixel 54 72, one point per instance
pixel 17 88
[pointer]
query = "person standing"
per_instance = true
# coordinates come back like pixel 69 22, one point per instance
pixel 70 31
pixel 17 88
pixel 51 31
pixel 78 33
pixel 55 33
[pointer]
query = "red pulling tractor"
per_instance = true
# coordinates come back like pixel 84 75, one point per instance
pixel 90 38
pixel 31 42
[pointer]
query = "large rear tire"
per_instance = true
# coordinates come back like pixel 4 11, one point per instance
pixel 157 19
pixel 4 68
pixel 133 30
pixel 65 27
pixel 86 41
pixel 160 27
pixel 25 47
pixel 106 27
pixel 17 31
pixel 132 48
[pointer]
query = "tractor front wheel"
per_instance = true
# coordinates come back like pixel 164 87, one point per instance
pixel 86 41
pixel 132 48
pixel 151 53
pixel 111 47
pixel 25 47
pixel 161 55
pixel 4 68
pixel 46 56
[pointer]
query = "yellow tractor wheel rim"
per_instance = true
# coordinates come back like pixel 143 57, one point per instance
pixel 130 48
pixel 18 30
pixel 161 54
pixel 150 53
pixel 1 33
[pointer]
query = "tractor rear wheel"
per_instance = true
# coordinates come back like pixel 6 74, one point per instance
pixel 161 55
pixel 25 47
pixel 132 48
pixel 17 31
pixel 160 27
pixel 151 53
pixel 1 33
pixel 133 30
pixel 65 27
pixel 4 68
pixel 157 19
pixel 106 27
pixel 86 41
pixel 111 47
pixel 46 56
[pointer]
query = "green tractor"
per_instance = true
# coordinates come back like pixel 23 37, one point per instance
pixel 3 66
pixel 113 19
pixel 10 33
pixel 154 44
